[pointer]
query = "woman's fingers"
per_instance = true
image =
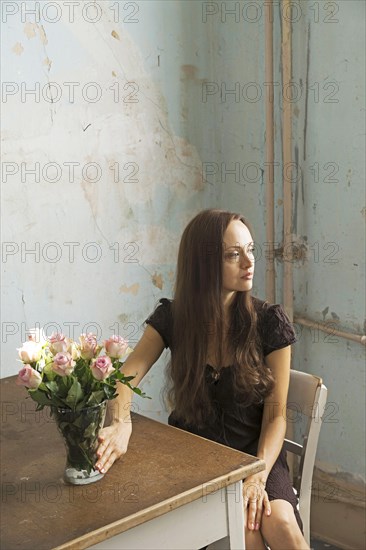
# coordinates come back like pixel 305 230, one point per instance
pixel 258 514
pixel 113 444
pixel 251 513
pixel 109 462
pixel 266 504
pixel 102 445
pixel 263 507
pixel 250 503
pixel 256 503
pixel 103 460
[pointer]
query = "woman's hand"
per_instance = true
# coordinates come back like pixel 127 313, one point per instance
pixel 256 500
pixel 113 443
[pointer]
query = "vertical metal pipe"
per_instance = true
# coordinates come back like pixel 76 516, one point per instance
pixel 269 155
pixel 287 157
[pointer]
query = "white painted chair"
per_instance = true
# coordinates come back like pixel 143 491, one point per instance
pixel 306 402
pixel 307 397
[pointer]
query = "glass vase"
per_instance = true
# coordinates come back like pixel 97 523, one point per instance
pixel 80 430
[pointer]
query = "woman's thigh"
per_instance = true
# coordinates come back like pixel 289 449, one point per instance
pixel 280 529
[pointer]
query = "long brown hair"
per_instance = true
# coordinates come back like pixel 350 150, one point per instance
pixel 198 315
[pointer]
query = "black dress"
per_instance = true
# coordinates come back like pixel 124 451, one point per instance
pixel 239 425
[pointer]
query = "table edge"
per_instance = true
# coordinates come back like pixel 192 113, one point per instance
pixel 124 524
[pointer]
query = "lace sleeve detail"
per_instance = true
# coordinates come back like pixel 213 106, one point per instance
pixel 277 329
pixel 161 320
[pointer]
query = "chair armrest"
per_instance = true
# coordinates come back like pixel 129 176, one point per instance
pixel 293 447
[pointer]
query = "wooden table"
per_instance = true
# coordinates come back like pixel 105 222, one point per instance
pixel 172 489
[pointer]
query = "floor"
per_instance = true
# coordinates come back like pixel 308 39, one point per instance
pixel 320 545
pixel 314 545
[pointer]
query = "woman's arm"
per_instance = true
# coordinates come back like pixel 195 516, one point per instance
pixel 114 438
pixel 273 428
pixel 272 434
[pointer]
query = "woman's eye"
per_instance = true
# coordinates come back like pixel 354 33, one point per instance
pixel 235 254
pixel 232 255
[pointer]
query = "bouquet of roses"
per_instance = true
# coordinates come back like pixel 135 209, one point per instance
pixel 76 381
pixel 62 373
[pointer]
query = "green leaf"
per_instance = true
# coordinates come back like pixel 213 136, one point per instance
pixel 39 397
pixel 48 372
pixel 109 391
pixel 82 404
pixel 95 398
pixel 139 392
pixel 75 395
pixel 122 378
pixel 90 431
pixel 64 384
pixel 52 386
pixel 126 380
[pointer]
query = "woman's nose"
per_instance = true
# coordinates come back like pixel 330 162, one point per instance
pixel 246 261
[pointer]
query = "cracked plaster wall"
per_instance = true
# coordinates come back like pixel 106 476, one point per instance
pixel 170 53
pixel 138 137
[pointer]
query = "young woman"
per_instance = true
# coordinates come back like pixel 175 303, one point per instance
pixel 229 369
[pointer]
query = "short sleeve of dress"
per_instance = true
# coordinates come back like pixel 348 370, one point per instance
pixel 276 331
pixel 161 320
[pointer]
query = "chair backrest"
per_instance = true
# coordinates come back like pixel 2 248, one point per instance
pixel 306 401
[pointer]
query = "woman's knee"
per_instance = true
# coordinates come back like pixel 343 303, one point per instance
pixel 281 530
pixel 282 518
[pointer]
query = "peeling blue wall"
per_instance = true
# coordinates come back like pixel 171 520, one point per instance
pixel 187 131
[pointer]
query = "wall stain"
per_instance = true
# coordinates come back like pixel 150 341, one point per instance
pixel 18 49
pixel 89 191
pixel 48 63
pixel 294 216
pixel 42 35
pixel 198 184
pixel 307 90
pixel 348 177
pixel 115 35
pixel 189 72
pixel 133 289
pixel 30 30
pixel 299 251
pixel 123 317
pixel 325 312
pixel 157 280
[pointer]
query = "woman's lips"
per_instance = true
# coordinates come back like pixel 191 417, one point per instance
pixel 247 276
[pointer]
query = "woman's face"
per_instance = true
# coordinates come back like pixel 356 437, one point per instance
pixel 238 260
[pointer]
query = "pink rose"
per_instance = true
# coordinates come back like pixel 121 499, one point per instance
pixel 88 346
pixel 30 352
pixel 28 377
pixel 58 343
pixel 37 335
pixel 63 364
pixel 74 350
pixel 102 367
pixel 116 347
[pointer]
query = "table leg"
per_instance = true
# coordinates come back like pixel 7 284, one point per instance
pixel 236 520
pixel 235 507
